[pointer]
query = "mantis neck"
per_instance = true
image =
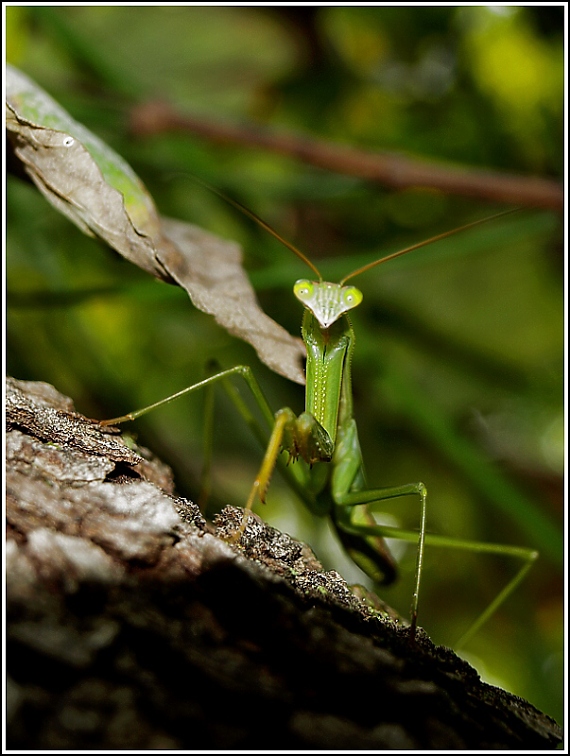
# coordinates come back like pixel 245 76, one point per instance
pixel 329 352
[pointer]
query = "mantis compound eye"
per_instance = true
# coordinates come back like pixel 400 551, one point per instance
pixel 351 297
pixel 304 290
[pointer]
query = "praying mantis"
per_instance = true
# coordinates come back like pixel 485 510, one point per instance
pixel 330 477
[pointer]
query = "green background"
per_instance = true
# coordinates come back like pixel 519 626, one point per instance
pixel 458 365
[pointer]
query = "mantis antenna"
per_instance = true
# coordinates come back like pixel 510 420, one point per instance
pixel 364 268
pixel 405 251
pixel 263 224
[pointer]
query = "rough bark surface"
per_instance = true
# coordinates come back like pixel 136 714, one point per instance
pixel 132 623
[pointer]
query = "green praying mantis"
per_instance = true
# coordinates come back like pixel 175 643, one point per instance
pixel 330 479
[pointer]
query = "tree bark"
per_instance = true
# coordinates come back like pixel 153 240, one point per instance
pixel 132 623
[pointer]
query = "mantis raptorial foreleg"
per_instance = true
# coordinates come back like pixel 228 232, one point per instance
pixel 295 475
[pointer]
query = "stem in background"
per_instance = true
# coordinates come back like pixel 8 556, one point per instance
pixel 388 169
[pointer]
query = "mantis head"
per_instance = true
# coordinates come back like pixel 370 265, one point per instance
pixel 327 301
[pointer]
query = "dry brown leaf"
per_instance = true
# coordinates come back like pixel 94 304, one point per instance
pixel 210 270
pixel 82 177
pixel 94 187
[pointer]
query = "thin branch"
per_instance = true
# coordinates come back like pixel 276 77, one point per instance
pixel 389 169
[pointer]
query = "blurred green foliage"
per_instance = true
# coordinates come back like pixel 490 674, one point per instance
pixel 458 369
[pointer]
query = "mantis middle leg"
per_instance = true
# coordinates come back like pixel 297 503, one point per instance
pixel 347 477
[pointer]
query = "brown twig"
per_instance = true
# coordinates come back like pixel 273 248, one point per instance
pixel 392 170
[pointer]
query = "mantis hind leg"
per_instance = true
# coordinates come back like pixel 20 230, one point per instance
pixel 344 521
